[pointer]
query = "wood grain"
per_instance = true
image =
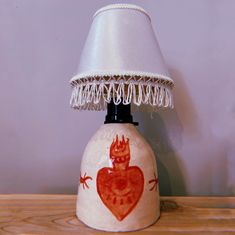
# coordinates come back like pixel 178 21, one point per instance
pixel 55 214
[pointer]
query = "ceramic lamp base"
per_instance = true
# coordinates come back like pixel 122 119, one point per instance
pixel 118 188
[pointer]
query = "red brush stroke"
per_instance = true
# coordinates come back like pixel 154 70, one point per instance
pixel 120 186
pixel 155 181
pixel 83 181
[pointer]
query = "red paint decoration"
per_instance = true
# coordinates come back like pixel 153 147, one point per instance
pixel 120 186
pixel 83 181
pixel 154 181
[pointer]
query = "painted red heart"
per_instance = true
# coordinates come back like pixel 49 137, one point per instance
pixel 120 189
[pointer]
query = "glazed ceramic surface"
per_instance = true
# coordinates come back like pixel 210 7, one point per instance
pixel 118 188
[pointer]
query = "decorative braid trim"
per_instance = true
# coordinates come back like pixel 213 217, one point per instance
pixel 94 93
pixel 121 6
pixel 83 77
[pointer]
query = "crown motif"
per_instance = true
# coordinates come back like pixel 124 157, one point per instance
pixel 120 150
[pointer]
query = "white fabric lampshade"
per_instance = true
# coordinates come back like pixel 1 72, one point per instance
pixel 121 60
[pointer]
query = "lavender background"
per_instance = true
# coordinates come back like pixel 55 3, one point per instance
pixel 42 139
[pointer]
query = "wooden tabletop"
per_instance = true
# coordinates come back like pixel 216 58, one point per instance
pixel 55 214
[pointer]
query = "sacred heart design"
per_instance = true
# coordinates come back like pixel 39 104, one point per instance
pixel 120 186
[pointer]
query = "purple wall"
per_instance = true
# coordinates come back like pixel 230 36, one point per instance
pixel 42 139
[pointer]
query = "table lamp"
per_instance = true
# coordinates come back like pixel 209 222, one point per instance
pixel 121 65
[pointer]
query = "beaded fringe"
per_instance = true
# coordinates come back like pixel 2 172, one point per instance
pixel 95 93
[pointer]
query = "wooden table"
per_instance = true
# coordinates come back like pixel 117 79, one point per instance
pixel 55 214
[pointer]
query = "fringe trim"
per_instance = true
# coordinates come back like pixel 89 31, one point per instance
pixel 95 93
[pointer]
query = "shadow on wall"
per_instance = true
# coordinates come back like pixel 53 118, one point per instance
pixel 170 168
pixel 164 132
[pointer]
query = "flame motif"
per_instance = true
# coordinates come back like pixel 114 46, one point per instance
pixel 120 149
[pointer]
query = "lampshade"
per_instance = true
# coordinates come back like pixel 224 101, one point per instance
pixel 122 61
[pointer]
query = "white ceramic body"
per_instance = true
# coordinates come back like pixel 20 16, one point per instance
pixel 91 210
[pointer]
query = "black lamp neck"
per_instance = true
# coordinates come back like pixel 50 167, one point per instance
pixel 120 113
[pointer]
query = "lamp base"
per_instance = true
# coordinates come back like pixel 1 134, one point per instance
pixel 118 188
